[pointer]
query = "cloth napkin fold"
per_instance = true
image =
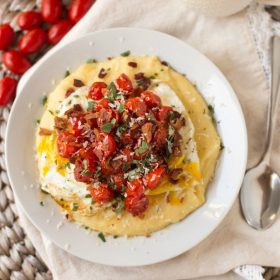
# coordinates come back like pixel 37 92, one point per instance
pixel 230 45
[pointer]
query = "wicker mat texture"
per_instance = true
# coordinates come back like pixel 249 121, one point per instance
pixel 18 258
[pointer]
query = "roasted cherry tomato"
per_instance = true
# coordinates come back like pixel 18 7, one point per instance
pixel 160 136
pixel 81 173
pixel 101 193
pixel 8 87
pixel 136 201
pixel 153 178
pixel 124 84
pixel 29 20
pixel 151 99
pixel 163 113
pixel 51 10
pixel 76 120
pixel 16 62
pixel 106 115
pixel 96 90
pixel 104 103
pixel 119 182
pixel 105 146
pixel 126 139
pixel 33 41
pixel 58 30
pixel 66 144
pixel 78 9
pixel 6 36
pixel 136 105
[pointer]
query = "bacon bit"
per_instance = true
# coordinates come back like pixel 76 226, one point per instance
pixel 69 92
pixel 173 175
pixel 132 64
pixel 177 151
pixel 102 73
pixel 142 82
pixel 78 83
pixel 147 131
pixel 164 63
pixel 109 58
pixel 45 131
pixel 75 108
pixel 60 123
pixel 139 76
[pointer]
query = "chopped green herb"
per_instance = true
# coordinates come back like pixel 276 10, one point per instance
pixel 107 127
pixel 76 95
pixel 121 129
pixel 151 117
pixel 132 174
pixel 115 236
pixel 85 162
pixel 85 172
pixel 67 73
pixel 101 236
pixel 121 108
pixel 67 165
pixel 91 105
pixel 75 206
pixel 38 121
pixel 69 102
pixel 120 207
pixel 51 112
pixel 42 203
pixel 88 196
pixel 44 100
pixel 221 146
pixel 92 201
pixel 91 60
pixel 112 92
pixel 127 53
pixel 142 148
pixel 125 166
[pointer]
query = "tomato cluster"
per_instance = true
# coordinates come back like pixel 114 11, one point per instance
pixel 38 30
pixel 121 143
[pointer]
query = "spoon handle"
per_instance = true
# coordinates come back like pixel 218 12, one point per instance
pixel 274 97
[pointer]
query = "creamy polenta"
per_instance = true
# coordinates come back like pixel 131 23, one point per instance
pixel 174 177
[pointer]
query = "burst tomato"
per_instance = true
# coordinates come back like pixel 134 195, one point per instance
pixel 76 122
pixel 102 193
pixel 105 146
pixel 66 144
pixel 136 201
pixel 8 87
pixel 151 99
pixel 6 36
pixel 78 9
pixel 16 62
pixel 119 182
pixel 33 41
pixel 51 10
pixel 124 84
pixel 163 113
pixel 160 137
pixel 82 174
pixel 58 31
pixel 29 20
pixel 104 103
pixel 96 90
pixel 136 105
pixel 153 178
pixel 106 115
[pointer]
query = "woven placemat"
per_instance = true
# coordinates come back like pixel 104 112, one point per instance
pixel 18 258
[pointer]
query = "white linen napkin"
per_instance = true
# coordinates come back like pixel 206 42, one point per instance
pixel 229 44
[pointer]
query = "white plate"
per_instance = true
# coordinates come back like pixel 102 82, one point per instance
pixel 173 240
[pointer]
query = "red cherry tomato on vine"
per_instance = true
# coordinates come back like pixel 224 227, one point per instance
pixel 33 41
pixel 124 84
pixel 29 20
pixel 51 10
pixel 136 105
pixel 96 90
pixel 16 62
pixel 78 9
pixel 102 193
pixel 6 36
pixel 8 87
pixel 58 30
pixel 154 177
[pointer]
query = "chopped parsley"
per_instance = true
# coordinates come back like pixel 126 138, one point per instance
pixel 44 100
pixel 151 117
pixel 121 129
pixel 120 207
pixel 142 148
pixel 85 172
pixel 121 108
pixel 85 162
pixel 211 112
pixel 42 203
pixel 67 165
pixel 67 73
pixel 101 236
pixel 107 127
pixel 51 112
pixel 91 60
pixel 221 146
pixel 115 236
pixel 112 92
pixel 88 196
pixel 91 105
pixel 75 206
pixel 124 54
pixel 38 121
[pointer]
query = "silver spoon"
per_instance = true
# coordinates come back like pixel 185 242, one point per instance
pixel 262 178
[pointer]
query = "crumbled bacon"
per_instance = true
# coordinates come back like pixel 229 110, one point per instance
pixel 147 131
pixel 102 73
pixel 69 92
pixel 132 64
pixel 75 108
pixel 78 83
pixel 173 175
pixel 45 132
pixel 60 123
